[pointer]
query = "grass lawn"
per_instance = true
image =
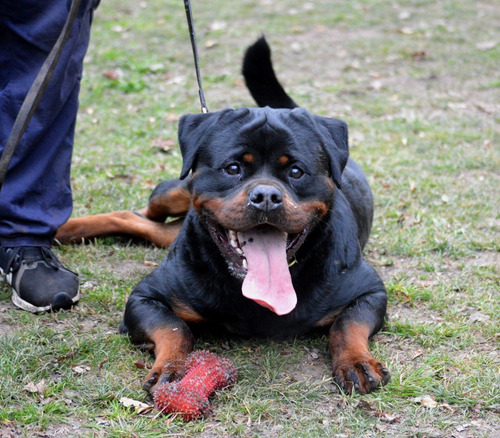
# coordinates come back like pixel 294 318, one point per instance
pixel 418 82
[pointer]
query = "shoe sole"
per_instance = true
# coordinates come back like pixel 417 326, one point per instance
pixel 22 304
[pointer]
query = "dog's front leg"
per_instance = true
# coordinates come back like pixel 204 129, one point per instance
pixel 354 367
pixel 151 323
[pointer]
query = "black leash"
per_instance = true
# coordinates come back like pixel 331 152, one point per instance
pixel 189 16
pixel 35 93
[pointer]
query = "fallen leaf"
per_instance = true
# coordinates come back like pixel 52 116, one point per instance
pixel 211 43
pixel 158 67
pixel 67 356
pixel 140 364
pixel 217 25
pixel 457 105
pixel 376 85
pixel 446 406
pixel 163 144
pixel 486 45
pixel 387 417
pixel 419 54
pixel 101 364
pixel 476 410
pixel 488 108
pixel 110 74
pixel 417 354
pixel 173 117
pixel 140 407
pixel 426 401
pixel 80 369
pixel 148 263
pixel 478 317
pixel 428 283
pixel 365 406
pixel 406 31
pixel 36 388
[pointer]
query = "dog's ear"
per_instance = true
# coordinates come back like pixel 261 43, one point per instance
pixel 197 134
pixel 335 139
pixel 193 129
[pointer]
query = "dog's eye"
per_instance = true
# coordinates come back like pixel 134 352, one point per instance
pixel 295 172
pixel 233 169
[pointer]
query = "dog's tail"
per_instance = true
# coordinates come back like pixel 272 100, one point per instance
pixel 260 78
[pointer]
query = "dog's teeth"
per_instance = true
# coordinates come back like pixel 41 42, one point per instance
pixel 239 251
pixel 234 243
pixel 232 235
pixel 244 263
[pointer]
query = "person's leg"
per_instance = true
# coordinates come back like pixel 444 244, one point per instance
pixel 36 197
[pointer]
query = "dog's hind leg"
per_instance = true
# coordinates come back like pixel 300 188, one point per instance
pixel 124 222
pixel 169 199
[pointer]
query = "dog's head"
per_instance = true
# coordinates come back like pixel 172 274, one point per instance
pixel 262 179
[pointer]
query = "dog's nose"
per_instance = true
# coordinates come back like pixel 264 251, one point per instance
pixel 265 197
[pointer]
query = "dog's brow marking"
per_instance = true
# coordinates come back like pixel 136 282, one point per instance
pixel 283 160
pixel 248 158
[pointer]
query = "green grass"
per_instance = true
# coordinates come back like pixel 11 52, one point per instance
pixel 421 100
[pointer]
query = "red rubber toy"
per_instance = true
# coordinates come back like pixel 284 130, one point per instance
pixel 205 373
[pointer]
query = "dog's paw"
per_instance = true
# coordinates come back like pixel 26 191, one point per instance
pixel 362 374
pixel 158 375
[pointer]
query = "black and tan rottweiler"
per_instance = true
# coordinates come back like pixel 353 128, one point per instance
pixel 273 218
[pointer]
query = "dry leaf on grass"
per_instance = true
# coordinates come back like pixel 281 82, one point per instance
pixel 163 144
pixel 486 45
pixel 406 30
pixel 141 364
pixel 111 74
pixel 426 401
pixel 36 388
pixel 80 369
pixel 140 407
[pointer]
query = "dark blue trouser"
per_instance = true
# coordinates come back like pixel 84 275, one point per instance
pixel 36 197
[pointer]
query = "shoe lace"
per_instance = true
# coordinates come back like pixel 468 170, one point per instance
pixel 17 257
pixel 49 258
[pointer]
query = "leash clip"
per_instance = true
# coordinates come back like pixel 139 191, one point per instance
pixel 189 16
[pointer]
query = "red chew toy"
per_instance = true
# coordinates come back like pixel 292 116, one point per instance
pixel 205 374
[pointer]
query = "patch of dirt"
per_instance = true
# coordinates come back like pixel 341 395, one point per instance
pixel 6 327
pixel 408 267
pixel 70 429
pixel 129 269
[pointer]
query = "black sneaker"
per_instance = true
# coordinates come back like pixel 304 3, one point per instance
pixel 39 281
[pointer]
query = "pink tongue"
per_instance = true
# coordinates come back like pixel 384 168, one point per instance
pixel 268 281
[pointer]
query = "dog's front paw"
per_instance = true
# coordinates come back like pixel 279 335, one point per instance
pixel 170 372
pixel 361 373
